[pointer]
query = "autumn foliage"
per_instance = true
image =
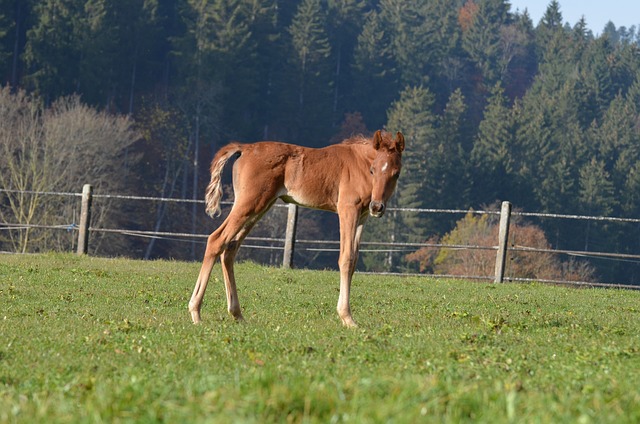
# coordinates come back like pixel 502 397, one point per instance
pixel 467 15
pixel 481 231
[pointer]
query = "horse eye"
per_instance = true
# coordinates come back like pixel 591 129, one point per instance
pixel 371 170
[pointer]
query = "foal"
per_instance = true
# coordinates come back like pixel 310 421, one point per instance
pixel 354 179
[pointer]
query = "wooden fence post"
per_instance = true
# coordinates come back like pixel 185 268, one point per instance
pixel 85 219
pixel 503 238
pixel 290 236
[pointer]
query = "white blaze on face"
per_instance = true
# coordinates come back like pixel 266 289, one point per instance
pixel 385 166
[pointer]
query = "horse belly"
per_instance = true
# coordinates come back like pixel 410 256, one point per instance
pixel 308 199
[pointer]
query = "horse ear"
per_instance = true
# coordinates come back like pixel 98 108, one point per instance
pixel 377 140
pixel 399 142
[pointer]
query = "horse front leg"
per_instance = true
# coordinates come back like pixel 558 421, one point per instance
pixel 356 246
pixel 349 240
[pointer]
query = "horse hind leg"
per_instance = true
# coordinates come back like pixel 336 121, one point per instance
pixel 216 245
pixel 211 254
pixel 227 259
pixel 225 242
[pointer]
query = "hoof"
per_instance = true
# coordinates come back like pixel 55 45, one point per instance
pixel 349 322
pixel 195 317
pixel 237 317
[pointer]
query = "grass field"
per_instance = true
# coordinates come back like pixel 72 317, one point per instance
pixel 109 340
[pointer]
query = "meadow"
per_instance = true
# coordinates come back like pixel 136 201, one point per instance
pixel 95 340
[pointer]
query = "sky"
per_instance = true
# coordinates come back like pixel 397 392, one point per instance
pixel 596 12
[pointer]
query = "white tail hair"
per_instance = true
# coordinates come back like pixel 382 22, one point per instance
pixel 213 193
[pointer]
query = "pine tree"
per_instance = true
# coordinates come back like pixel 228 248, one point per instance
pixel 550 148
pixel 53 49
pixel 492 151
pixel 597 64
pixel 596 189
pixel 611 32
pixel 377 82
pixel 523 65
pixel 441 16
pixel 411 114
pixel 6 27
pixel 549 27
pixel 596 195
pixel 448 175
pixel 617 140
pixel 253 78
pixel 345 20
pixel 310 55
pixel 410 38
pixel 631 190
pixel 129 30
pixel 482 40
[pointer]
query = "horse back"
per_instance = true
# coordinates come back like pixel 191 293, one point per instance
pixel 296 174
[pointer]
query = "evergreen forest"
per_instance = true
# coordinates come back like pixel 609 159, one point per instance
pixel 493 105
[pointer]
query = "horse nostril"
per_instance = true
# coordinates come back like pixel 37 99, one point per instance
pixel 376 209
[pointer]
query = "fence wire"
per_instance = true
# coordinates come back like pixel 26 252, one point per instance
pixel 315 245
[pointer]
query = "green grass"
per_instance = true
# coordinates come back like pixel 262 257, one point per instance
pixel 110 340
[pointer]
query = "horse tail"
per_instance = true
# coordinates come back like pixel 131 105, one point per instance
pixel 213 193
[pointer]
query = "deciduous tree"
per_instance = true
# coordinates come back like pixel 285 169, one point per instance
pixel 57 149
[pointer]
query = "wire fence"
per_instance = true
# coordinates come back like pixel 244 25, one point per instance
pixel 316 246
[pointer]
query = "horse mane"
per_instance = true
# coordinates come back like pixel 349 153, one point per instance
pixel 357 139
pixel 362 139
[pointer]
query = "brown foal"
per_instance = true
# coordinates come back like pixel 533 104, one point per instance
pixel 355 179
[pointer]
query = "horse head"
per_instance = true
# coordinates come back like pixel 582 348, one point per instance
pixel 385 169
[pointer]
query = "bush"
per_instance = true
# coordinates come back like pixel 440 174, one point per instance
pixel 482 231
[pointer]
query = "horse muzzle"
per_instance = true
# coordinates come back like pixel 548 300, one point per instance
pixel 376 209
